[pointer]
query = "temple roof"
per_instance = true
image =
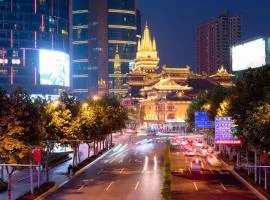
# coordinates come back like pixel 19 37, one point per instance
pixel 167 84
pixel 222 72
pixel 176 69
pixel 179 96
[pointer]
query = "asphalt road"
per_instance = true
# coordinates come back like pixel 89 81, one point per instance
pixel 211 183
pixel 131 171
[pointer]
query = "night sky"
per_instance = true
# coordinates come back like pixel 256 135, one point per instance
pixel 174 22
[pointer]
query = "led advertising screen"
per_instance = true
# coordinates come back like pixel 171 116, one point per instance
pixel 54 68
pixel 248 55
pixel 202 120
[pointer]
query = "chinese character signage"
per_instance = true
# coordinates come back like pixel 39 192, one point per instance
pixel 223 128
pixel 202 120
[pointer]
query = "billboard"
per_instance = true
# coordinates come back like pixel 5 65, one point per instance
pixel 54 68
pixel 202 120
pixel 249 55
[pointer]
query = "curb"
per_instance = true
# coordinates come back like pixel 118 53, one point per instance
pixel 48 192
pixel 247 184
pixel 253 189
pixel 57 186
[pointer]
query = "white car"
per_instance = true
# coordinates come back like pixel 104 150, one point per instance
pixel 196 165
pixel 189 153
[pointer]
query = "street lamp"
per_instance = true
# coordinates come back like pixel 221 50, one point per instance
pixel 95 97
pixel 85 105
pixel 56 103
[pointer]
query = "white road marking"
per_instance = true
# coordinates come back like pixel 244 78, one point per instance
pixel 99 172
pixel 189 170
pixel 211 170
pixel 121 170
pixel 195 185
pixel 136 186
pixel 109 186
pixel 82 187
pixel 224 188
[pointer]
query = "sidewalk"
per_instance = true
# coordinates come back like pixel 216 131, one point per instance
pixel 21 179
pixel 58 174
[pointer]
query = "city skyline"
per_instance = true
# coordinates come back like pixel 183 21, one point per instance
pixel 182 37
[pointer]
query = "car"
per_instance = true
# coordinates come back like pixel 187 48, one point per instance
pixel 189 153
pixel 196 165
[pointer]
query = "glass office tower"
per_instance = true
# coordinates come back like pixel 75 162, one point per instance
pixel 109 39
pixel 31 31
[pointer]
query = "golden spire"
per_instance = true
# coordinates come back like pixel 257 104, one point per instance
pixel 154 45
pixel 146 40
pixel 117 62
pixel 147 56
pixel 139 45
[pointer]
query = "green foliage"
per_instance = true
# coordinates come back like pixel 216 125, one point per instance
pixel 26 123
pixel 19 126
pixel 248 98
pixel 166 189
pixel 196 106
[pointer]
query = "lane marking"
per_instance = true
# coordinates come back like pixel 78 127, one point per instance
pixel 121 170
pixel 82 187
pixel 195 185
pixel 100 171
pixel 224 188
pixel 211 171
pixel 109 186
pixel 189 170
pixel 136 186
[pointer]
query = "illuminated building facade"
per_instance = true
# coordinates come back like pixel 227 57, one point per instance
pixel 107 31
pixel 163 95
pixel 26 28
pixel 214 40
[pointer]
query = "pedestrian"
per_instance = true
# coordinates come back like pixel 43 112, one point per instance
pixel 69 170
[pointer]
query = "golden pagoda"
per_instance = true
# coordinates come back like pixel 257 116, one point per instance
pixel 117 62
pixel 117 70
pixel 147 56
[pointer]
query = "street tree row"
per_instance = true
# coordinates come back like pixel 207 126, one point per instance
pixel 26 123
pixel 247 102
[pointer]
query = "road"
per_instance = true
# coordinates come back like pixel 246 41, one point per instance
pixel 211 183
pixel 132 171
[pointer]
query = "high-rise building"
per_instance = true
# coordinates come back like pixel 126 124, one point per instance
pixel 34 45
pixel 214 40
pixel 107 30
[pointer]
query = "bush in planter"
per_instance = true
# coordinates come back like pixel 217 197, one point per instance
pixel 3 186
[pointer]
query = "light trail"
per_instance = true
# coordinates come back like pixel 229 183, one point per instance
pixel 155 163
pixel 145 163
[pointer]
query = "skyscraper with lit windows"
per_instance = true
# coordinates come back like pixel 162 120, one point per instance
pixel 110 32
pixel 30 31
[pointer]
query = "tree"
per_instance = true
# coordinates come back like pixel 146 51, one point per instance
pixel 258 128
pixel 20 133
pixel 247 96
pixel 196 106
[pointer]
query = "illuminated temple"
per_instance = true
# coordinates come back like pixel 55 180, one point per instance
pixel 164 93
